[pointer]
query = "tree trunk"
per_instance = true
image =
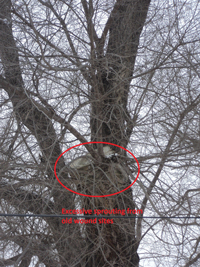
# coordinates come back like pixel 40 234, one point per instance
pixel 111 244
pixel 115 245
pixel 40 126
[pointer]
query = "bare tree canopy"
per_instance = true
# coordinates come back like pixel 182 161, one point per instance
pixel 121 72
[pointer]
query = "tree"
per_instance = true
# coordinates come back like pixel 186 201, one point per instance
pixel 79 71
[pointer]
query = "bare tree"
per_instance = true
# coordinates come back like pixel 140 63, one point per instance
pixel 122 72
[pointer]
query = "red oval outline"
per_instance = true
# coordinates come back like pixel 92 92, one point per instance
pixel 97 143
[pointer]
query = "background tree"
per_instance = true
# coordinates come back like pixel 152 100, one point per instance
pixel 75 71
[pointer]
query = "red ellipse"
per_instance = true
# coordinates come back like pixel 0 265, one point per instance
pixel 97 143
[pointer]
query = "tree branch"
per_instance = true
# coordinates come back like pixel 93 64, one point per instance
pixel 163 160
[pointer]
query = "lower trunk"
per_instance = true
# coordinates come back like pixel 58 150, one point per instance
pixel 109 242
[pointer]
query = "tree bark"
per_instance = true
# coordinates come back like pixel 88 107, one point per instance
pixel 110 119
pixel 111 122
pixel 42 128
